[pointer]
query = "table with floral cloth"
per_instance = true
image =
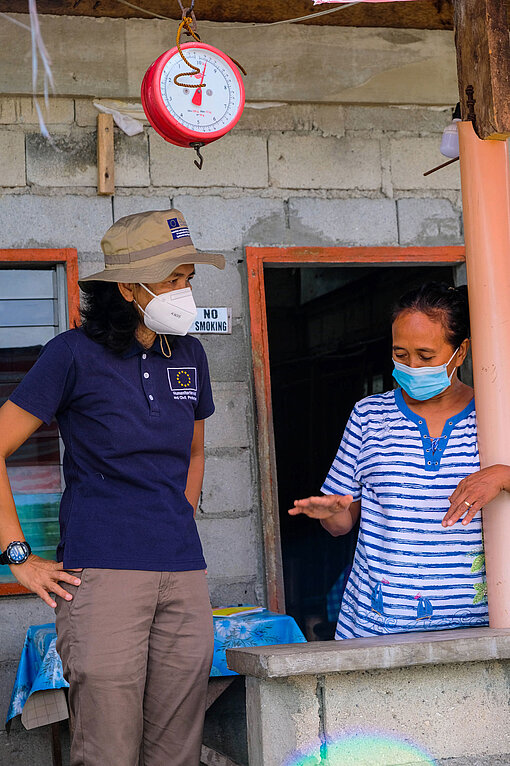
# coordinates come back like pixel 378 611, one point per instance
pixel 261 629
pixel 40 668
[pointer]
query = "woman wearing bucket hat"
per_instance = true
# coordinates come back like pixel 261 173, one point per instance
pixel 130 391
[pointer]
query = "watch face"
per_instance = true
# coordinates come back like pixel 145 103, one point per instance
pixel 203 110
pixel 17 552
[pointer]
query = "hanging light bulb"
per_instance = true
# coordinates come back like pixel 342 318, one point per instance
pixel 450 140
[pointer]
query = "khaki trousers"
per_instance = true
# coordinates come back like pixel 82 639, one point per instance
pixel 136 648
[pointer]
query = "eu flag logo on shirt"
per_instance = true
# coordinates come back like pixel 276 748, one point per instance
pixel 182 379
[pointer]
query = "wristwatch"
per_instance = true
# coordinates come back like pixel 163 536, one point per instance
pixel 16 553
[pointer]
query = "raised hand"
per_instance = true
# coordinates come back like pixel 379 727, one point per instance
pixel 337 513
pixel 322 507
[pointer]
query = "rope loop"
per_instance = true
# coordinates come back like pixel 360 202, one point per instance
pixel 187 24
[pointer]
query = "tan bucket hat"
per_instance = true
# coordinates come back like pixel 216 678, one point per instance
pixel 147 247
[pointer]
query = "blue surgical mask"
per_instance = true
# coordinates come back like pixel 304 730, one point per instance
pixel 423 382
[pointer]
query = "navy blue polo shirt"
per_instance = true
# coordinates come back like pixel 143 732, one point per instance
pixel 127 425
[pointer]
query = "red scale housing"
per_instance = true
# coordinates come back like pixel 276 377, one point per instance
pixel 157 113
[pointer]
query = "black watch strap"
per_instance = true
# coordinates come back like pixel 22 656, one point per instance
pixel 16 552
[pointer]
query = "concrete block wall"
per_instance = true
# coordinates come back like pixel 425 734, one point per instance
pixel 379 694
pixel 424 707
pixel 364 185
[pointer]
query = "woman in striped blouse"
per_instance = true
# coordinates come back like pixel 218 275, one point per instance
pixel 408 467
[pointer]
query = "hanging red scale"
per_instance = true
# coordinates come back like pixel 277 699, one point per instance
pixel 193 108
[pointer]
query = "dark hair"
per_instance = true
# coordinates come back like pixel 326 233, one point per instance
pixel 441 302
pixel 107 317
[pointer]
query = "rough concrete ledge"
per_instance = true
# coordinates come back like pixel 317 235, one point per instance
pixel 396 651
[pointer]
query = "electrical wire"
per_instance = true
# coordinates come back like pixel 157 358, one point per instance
pixel 149 13
pixel 265 24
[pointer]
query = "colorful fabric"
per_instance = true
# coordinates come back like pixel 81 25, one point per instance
pixel 40 667
pixel 262 629
pixel 127 424
pixel 409 572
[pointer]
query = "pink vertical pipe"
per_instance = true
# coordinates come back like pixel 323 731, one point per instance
pixel 485 177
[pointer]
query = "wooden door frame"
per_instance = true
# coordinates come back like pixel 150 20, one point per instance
pixel 256 259
pixel 35 256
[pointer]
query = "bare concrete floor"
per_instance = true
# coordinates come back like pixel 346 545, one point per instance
pixel 488 760
pixel 30 748
pixel 33 748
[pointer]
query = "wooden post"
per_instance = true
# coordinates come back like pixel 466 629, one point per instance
pixel 483 63
pixel 105 166
pixel 485 176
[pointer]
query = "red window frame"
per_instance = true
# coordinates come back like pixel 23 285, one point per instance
pixel 69 257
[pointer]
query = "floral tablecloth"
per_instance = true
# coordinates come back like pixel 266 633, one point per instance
pixel 260 629
pixel 40 667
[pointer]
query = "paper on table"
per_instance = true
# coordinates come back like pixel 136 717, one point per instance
pixel 235 611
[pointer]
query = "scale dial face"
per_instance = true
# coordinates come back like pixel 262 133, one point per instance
pixel 193 114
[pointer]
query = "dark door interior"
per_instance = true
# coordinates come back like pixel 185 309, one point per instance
pixel 329 346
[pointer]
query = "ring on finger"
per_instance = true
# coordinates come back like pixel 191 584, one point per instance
pixel 468 505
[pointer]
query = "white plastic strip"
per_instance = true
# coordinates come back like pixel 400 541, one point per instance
pixel 128 124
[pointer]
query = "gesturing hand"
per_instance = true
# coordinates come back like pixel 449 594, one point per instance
pixel 474 492
pixel 323 507
pixel 42 576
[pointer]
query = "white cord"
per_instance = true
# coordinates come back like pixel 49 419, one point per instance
pixel 38 50
pixel 149 13
pixel 265 24
pixel 14 21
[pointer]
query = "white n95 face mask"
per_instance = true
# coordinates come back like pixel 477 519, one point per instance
pixel 173 312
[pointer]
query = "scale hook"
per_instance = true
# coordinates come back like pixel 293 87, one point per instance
pixel 197 146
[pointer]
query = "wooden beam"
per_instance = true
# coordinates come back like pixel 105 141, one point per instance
pixel 105 167
pixel 420 14
pixel 483 63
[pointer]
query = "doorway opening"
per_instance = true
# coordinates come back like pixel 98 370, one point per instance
pixel 329 344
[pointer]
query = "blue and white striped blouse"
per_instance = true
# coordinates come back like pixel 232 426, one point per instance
pixel 409 572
